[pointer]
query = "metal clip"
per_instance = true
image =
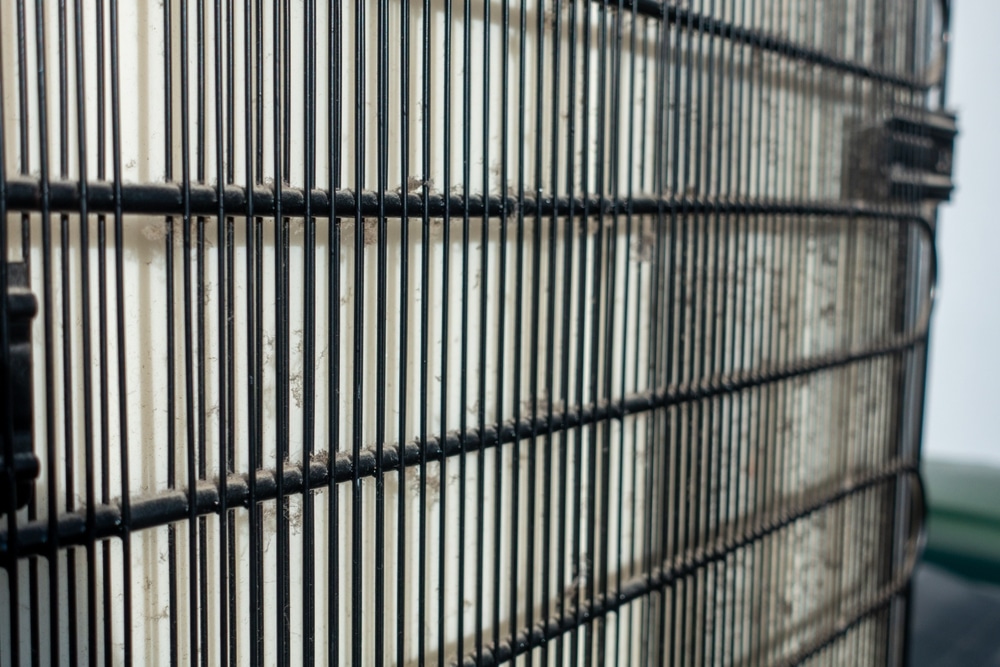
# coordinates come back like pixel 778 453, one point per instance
pixel 907 157
pixel 21 309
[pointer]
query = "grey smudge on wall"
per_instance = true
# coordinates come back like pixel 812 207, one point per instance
pixel 297 389
pixel 416 184
pixel 644 244
pixel 578 584
pixel 371 231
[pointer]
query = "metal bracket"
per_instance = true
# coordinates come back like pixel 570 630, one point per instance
pixel 21 309
pixel 906 157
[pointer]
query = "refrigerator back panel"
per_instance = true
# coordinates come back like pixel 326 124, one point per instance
pixel 399 332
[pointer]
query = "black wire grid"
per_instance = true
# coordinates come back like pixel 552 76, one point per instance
pixel 420 332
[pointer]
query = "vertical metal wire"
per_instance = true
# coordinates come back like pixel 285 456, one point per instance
pixel 171 363
pixel 200 608
pixel 531 363
pixel 562 395
pixel 402 536
pixel 103 351
pixel 464 324
pixel 445 274
pixel 357 382
pixel 380 317
pixel 308 595
pixel 123 454
pixel 281 130
pixel 499 395
pixel 189 379
pixel 225 342
pixel 85 315
pixel 334 116
pixel 255 636
pixel 484 326
pixel 67 358
pixel 422 626
pixel 47 312
pixel 551 323
pixel 228 315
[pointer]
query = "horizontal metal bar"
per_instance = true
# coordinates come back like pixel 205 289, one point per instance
pixel 172 505
pixel 26 194
pixel 698 557
pixel 687 18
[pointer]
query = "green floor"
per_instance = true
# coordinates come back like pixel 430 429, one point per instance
pixel 963 522
pixel 956 591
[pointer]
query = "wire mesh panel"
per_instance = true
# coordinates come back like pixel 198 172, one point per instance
pixel 432 332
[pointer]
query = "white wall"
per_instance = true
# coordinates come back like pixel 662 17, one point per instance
pixel 963 410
